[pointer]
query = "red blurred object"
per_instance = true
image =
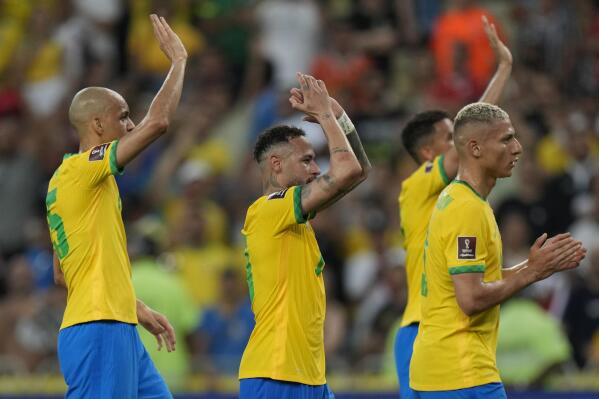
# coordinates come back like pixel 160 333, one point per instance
pixel 11 102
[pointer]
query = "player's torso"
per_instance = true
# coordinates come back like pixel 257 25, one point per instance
pixel 463 347
pixel 285 279
pixel 416 203
pixel 89 238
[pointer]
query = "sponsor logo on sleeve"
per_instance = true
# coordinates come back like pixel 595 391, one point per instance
pixel 278 194
pixel 97 153
pixel 466 247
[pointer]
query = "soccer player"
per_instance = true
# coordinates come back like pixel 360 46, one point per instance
pixel 463 281
pixel 284 357
pixel 428 139
pixel 100 353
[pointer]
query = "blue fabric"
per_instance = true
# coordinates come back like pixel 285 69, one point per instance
pixel 106 359
pixel 404 346
pixel 228 335
pixel 265 388
pixel 488 391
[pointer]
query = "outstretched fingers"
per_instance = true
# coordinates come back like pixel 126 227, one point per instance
pixel 159 30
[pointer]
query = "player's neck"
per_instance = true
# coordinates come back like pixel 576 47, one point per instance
pixel 477 179
pixel 270 184
pixel 86 143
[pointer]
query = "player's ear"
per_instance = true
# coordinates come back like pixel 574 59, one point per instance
pixel 426 153
pixel 97 126
pixel 475 148
pixel 276 164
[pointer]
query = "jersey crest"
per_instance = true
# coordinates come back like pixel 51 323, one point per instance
pixel 97 153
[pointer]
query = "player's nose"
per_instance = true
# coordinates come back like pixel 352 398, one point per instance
pixel 517 148
pixel 315 170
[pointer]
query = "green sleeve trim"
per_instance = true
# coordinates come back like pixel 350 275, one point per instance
pixel 319 266
pixel 444 176
pixel 465 183
pixel 114 168
pixel 467 269
pixel 300 218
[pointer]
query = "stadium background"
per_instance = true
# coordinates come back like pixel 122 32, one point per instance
pixel 184 199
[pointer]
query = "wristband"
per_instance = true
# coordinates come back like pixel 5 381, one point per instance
pixel 346 124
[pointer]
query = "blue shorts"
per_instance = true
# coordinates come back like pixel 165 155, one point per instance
pixel 404 346
pixel 494 390
pixel 265 388
pixel 106 359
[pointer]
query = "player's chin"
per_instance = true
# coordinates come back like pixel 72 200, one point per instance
pixel 507 172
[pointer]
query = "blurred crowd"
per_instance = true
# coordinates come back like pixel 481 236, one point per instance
pixel 184 199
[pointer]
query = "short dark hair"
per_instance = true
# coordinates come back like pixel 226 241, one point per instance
pixel 420 127
pixel 273 136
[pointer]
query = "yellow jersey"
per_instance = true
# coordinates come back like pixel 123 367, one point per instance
pixel 417 198
pixel 453 350
pixel 284 274
pixel 84 216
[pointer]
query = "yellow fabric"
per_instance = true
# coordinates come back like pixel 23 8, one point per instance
pixel 215 152
pixel 146 50
pixel 286 286
pixel 46 64
pixel 212 214
pixel 552 157
pixel 84 214
pixel 453 350
pixel 201 270
pixel 417 199
pixel 11 33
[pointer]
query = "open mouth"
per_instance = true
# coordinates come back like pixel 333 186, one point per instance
pixel 513 163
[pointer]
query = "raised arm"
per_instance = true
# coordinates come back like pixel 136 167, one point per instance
pixel 547 257
pixel 345 171
pixel 503 56
pixel 348 128
pixel 161 111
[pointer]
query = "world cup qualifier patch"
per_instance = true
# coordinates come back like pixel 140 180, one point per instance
pixel 97 153
pixel 466 247
pixel 278 194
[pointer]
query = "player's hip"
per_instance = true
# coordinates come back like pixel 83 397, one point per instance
pixel 264 388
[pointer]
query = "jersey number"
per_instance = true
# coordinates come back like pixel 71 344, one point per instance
pixel 61 246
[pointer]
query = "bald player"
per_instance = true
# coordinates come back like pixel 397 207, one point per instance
pixel 100 353
pixel 463 281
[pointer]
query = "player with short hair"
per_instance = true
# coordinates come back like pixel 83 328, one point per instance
pixel 99 349
pixel 463 281
pixel 428 139
pixel 284 357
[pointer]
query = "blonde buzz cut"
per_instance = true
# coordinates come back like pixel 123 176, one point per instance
pixel 479 113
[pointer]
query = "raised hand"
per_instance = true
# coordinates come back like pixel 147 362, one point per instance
pixel 335 106
pixel 549 256
pixel 314 100
pixel 502 53
pixel 170 44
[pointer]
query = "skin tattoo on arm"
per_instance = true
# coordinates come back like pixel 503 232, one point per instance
pixel 339 149
pixel 356 145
